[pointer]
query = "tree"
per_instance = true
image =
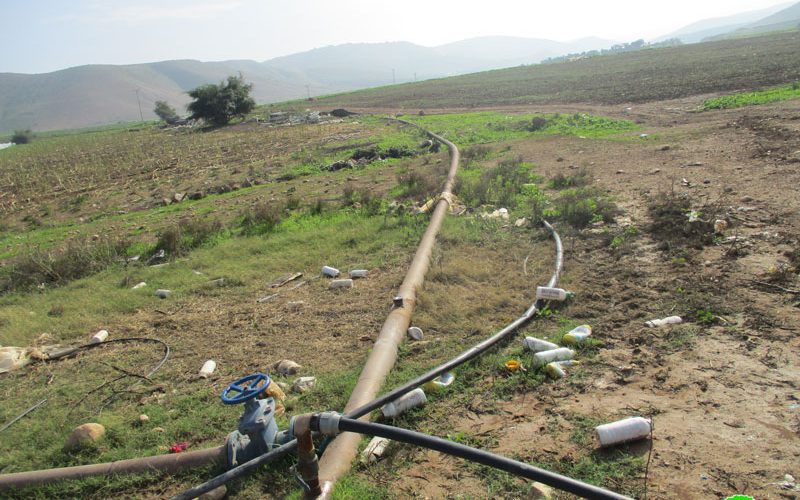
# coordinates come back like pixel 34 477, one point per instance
pixel 218 104
pixel 166 112
pixel 22 136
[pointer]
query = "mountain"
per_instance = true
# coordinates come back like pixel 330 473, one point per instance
pixel 97 94
pixel 706 28
pixel 788 18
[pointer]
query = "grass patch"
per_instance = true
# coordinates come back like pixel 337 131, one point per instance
pixel 563 181
pixel 580 207
pixel 504 185
pixel 783 93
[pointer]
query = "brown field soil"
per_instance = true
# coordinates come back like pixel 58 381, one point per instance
pixel 723 396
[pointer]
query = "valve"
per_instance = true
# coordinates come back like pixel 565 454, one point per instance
pixel 258 432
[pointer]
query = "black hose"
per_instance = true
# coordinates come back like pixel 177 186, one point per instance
pixel 514 467
pixel 394 394
pixel 85 347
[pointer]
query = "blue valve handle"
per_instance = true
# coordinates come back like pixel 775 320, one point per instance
pixel 245 388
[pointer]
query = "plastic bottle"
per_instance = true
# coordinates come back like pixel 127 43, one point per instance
pixel 98 337
pixel 577 335
pixel 538 345
pixel 345 283
pixel 621 431
pixel 375 449
pixel 208 368
pixel 406 402
pixel 359 273
pixel 670 320
pixel 548 293
pixel 329 271
pixel 560 354
pixel 555 369
pixel 439 382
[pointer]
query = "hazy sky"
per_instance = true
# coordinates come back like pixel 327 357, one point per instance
pixel 45 35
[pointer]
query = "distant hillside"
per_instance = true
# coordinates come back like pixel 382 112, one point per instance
pixel 785 19
pixel 98 94
pixel 706 28
pixel 640 76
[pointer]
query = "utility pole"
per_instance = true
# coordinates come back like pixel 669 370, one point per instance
pixel 138 101
pixel 393 80
pixel 415 76
pixel 308 91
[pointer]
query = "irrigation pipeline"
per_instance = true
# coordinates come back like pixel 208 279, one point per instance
pixel 398 320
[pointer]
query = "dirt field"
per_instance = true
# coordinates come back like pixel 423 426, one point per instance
pixel 723 393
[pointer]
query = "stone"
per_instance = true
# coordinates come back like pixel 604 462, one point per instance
pixel 287 367
pixel 83 435
pixel 166 201
pixel 162 293
pixel 521 222
pixel 143 418
pixel 304 384
pixel 178 197
pixel 197 195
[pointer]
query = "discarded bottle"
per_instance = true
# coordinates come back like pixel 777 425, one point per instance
pixel 162 293
pixel 359 273
pixel 439 382
pixel 139 285
pixel 208 368
pixel 560 354
pixel 329 271
pixel 406 402
pixel 98 337
pixel 622 431
pixel 577 335
pixel 555 369
pixel 670 320
pixel 344 283
pixel 548 293
pixel 538 345
pixel 375 449
pixel 415 333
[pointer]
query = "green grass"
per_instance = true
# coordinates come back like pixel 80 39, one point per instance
pixel 489 126
pixel 741 99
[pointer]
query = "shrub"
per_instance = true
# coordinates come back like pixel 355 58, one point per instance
pixel 186 235
pixel 218 104
pixel 669 215
pixel 583 206
pixel 578 179
pixel 417 185
pixel 262 218
pixel 166 112
pixel 22 136
pixel 500 185
pixel 537 123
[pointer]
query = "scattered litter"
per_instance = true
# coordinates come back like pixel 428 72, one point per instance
pixel 685 182
pixel 644 136
pixel 139 285
pixel 549 293
pixel 560 354
pixel 329 271
pixel 158 256
pixel 295 306
pixel 670 320
pixel 720 225
pixel 500 213
pixel 406 402
pixel 217 282
pixel 375 450
pixel 84 434
pixel 788 482
pixel 577 335
pixel 622 431
pixel 143 419
pixel 439 382
pixel 178 447
pixel 415 333
pixel 198 273
pixel 343 283
pixel 694 216
pixel 556 368
pixel 304 384
pixel 523 222
pixel 359 273
pixel 99 337
pixel 162 293
pixel 286 367
pixel 538 345
pixel 208 368
pixel 12 358
pixel 285 279
pixel 513 365
pixel 135 258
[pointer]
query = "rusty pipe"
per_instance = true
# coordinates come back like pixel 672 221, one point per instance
pixel 339 455
pixel 307 464
pixel 168 464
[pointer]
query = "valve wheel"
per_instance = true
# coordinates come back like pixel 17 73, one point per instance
pixel 245 388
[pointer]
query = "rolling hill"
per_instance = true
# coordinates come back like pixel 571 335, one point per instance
pixel 706 28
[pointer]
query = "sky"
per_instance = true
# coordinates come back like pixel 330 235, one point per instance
pixel 38 36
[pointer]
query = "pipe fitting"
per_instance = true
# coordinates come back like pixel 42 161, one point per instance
pixel 307 465
pixel 328 423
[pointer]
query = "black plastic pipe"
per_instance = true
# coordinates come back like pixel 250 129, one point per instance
pixel 394 394
pixel 514 467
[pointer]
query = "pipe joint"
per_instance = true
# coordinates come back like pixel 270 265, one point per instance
pixel 328 423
